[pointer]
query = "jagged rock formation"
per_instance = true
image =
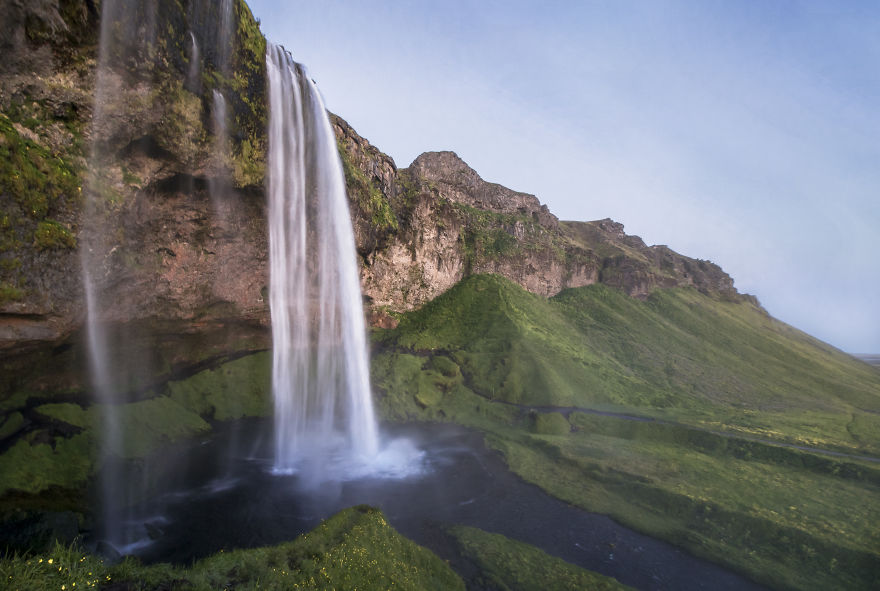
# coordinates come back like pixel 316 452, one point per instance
pixel 422 229
pixel 174 256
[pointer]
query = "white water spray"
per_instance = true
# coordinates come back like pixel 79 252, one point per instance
pixel 320 376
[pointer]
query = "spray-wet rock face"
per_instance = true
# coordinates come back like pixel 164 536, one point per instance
pixel 145 119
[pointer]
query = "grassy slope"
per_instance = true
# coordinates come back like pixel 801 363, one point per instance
pixel 717 372
pixel 355 549
pixel 680 354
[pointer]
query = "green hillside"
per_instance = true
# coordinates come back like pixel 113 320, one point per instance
pixel 678 415
pixel 679 355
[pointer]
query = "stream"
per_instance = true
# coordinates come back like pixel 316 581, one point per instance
pixel 451 478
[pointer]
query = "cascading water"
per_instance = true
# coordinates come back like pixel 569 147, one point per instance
pixel 320 377
pixel 219 181
pixel 194 73
pixel 127 36
pixel 224 44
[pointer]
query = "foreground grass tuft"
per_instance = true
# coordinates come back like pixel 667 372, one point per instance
pixel 355 549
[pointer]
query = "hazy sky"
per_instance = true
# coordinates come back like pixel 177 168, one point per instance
pixel 746 132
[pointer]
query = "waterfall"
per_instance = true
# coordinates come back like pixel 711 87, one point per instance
pixel 193 76
pixel 219 180
pixel 127 36
pixel 320 375
pixel 224 40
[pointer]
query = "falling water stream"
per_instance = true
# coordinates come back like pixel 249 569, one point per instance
pixel 120 25
pixel 320 374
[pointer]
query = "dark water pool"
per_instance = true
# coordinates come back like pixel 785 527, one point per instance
pixel 229 498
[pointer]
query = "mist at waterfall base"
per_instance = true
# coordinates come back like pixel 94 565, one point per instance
pixel 211 500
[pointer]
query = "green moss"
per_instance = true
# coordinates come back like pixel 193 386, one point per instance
pixel 34 468
pixel 250 111
pixel 35 178
pixel 446 366
pixel 367 193
pixel 131 179
pixel 68 412
pixel 9 293
pixel 150 424
pixel 249 162
pixel 233 390
pixel 513 565
pixel 13 422
pixel 552 423
pixel 51 234
pixel 180 130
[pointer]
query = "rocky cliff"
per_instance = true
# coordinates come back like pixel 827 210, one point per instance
pixel 422 229
pixel 175 247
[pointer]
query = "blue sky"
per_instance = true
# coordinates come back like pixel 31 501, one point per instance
pixel 744 132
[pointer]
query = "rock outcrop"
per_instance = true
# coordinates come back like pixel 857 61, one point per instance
pixel 441 222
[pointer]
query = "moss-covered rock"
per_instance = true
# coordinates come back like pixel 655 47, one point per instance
pixel 233 390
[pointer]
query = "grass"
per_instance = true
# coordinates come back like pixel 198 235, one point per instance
pixel 510 565
pixel 680 354
pixel 355 549
pixel 726 386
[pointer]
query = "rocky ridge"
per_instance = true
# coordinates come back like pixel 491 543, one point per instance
pixel 442 222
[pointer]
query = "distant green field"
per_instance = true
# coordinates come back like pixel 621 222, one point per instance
pixel 726 385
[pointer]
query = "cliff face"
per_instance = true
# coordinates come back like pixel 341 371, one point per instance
pixel 184 230
pixel 150 162
pixel 439 222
